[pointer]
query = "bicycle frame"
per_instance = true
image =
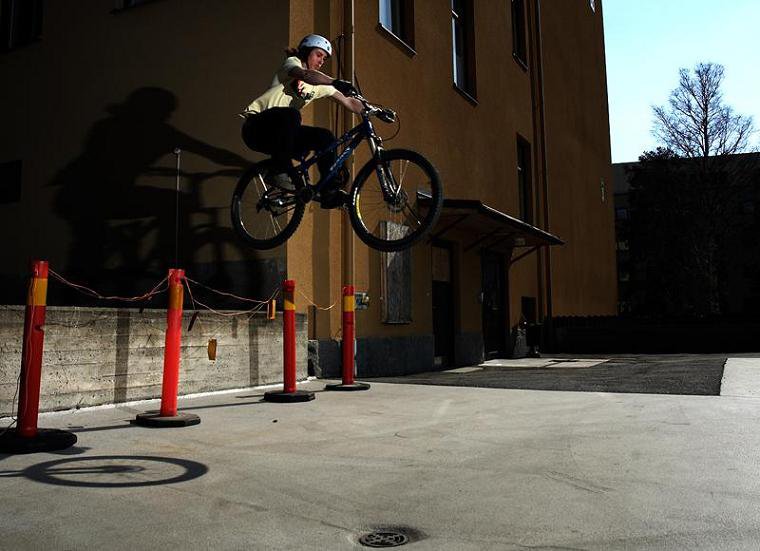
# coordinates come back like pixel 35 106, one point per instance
pixel 354 137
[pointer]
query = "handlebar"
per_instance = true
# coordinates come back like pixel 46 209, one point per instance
pixel 385 114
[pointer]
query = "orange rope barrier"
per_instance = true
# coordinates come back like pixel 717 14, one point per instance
pixel 316 305
pixel 261 304
pixel 90 292
pixel 244 299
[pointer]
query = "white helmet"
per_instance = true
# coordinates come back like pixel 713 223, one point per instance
pixel 316 41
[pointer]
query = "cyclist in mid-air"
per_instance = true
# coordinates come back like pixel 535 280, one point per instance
pixel 273 120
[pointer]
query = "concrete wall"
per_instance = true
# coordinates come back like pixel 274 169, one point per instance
pixel 98 356
pixel 375 356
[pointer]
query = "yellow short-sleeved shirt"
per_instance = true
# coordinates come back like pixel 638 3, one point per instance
pixel 287 91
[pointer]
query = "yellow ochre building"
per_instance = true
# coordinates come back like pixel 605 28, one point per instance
pixel 105 101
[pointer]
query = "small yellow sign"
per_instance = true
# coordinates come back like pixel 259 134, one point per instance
pixel 175 297
pixel 212 349
pixel 38 292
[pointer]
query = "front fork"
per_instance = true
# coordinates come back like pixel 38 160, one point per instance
pixel 384 175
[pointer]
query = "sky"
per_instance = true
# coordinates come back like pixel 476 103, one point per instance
pixel 648 41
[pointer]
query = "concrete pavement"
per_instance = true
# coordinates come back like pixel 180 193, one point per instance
pixel 455 468
pixel 741 377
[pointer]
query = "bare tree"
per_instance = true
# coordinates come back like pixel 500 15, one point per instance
pixel 696 123
pixel 689 191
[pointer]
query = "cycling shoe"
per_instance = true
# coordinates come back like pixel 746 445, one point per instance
pixel 333 198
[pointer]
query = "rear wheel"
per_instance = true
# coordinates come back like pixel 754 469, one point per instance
pixel 264 214
pixel 396 218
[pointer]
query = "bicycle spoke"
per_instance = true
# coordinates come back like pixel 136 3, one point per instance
pixel 264 214
pixel 275 224
pixel 413 213
pixel 405 164
pixel 263 184
pixel 392 196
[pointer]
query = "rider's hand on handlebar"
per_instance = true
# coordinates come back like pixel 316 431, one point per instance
pixel 344 87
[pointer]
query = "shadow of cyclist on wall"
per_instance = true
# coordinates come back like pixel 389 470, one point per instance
pixel 123 230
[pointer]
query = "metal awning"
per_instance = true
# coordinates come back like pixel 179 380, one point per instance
pixel 484 226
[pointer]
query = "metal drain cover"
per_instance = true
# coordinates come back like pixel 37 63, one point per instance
pixel 383 539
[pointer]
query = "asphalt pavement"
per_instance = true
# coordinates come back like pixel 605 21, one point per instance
pixel 698 374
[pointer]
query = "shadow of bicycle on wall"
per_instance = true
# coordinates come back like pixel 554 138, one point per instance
pixel 132 214
pixel 112 471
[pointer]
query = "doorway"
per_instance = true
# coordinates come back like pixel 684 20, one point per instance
pixel 443 305
pixel 494 301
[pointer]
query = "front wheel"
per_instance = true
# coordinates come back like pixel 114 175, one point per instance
pixel 395 201
pixel 266 212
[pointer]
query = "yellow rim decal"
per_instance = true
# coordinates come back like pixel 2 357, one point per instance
pixel 349 304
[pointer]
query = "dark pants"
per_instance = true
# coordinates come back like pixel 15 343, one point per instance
pixel 279 133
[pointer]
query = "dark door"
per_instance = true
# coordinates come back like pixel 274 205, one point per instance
pixel 494 304
pixel 443 306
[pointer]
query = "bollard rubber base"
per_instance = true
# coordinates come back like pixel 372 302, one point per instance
pixel 282 397
pixel 154 419
pixel 348 387
pixel 47 440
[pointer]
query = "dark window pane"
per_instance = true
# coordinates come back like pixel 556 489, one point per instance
pixel 524 186
pixel 398 17
pixel 462 34
pixel 20 22
pixel 518 30
pixel 10 182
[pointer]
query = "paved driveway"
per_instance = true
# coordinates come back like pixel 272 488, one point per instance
pixel 650 374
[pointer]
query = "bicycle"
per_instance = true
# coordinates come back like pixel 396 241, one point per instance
pixel 395 199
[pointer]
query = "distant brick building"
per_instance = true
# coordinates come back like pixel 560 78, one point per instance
pixel 739 286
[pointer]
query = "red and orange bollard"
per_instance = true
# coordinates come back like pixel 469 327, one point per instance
pixel 349 338
pixel 168 415
pixel 26 437
pixel 289 392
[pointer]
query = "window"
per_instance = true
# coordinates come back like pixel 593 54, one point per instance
pixel 396 278
pixel 519 47
pixel 20 23
pixel 126 4
pixel 463 51
pixel 10 182
pixel 524 186
pixel 397 17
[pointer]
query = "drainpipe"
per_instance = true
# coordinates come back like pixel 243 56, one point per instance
pixel 544 165
pixel 347 233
